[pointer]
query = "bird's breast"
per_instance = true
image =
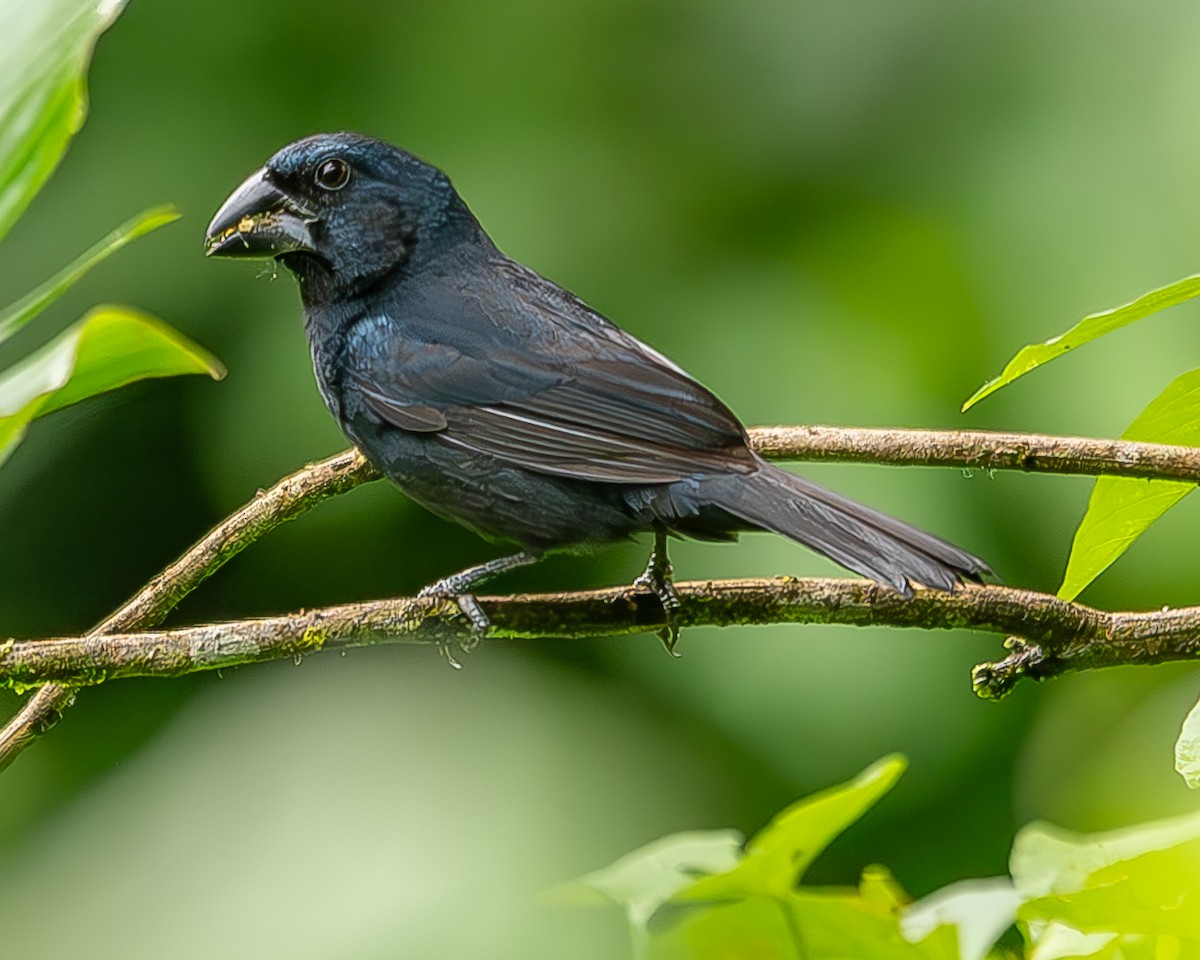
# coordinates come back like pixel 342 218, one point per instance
pixel 330 354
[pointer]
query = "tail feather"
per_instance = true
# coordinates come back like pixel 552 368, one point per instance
pixel 856 536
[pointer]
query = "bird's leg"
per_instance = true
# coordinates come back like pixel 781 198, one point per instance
pixel 657 579
pixel 458 586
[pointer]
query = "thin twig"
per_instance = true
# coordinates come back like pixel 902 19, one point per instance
pixel 304 489
pixel 980 450
pixel 290 497
pixel 1056 636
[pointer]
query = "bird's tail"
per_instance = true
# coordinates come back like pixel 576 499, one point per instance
pixel 856 536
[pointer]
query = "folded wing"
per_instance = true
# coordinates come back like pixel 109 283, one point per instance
pixel 621 414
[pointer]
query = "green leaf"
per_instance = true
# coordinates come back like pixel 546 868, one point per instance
pixel 1119 511
pixel 978 911
pixel 863 923
pixel 1089 328
pixel 1048 860
pixel 649 876
pixel 819 923
pixel 1056 941
pixel 757 928
pixel 1187 749
pixel 1122 508
pixel 1155 894
pixel 1122 893
pixel 33 303
pixel 777 856
pixel 45 47
pixel 108 348
pixel 700 881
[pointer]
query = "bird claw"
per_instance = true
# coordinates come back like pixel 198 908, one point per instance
pixel 656 579
pixel 457 589
pixel 451 591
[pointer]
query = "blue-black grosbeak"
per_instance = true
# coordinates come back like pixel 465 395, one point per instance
pixel 501 401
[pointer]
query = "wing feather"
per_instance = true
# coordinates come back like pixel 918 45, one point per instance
pixel 537 379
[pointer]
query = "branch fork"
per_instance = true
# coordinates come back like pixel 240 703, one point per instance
pixel 1047 636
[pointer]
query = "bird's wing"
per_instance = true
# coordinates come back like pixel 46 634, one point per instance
pixel 602 425
pixel 592 403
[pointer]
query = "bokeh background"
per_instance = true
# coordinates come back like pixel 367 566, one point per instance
pixel 830 213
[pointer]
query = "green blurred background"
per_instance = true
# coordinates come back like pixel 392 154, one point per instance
pixel 830 213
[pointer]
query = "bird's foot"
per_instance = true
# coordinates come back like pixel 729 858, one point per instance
pixel 457 589
pixel 656 578
pixel 452 591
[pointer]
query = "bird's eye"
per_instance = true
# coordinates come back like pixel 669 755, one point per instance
pixel 332 174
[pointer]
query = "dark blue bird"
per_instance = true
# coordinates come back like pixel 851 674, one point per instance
pixel 499 400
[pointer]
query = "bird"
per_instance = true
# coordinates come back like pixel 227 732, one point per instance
pixel 501 401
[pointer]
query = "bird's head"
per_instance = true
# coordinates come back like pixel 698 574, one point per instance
pixel 341 205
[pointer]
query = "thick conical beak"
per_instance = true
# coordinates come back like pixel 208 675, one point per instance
pixel 260 220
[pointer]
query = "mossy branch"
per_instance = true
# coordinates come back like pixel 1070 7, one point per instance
pixel 980 450
pixel 289 498
pixel 1054 636
pixel 1078 636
